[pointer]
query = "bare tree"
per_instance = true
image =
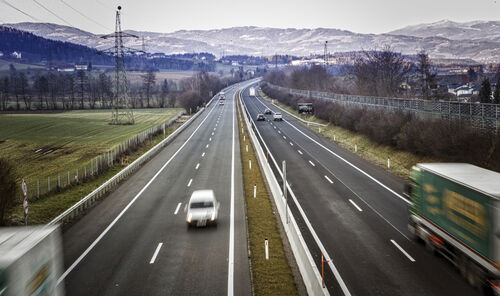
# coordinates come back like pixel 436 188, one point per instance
pixel 426 78
pixel 164 93
pixel 82 86
pixel 148 82
pixel 24 90
pixel 380 73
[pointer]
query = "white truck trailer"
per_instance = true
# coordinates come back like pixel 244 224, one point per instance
pixel 30 261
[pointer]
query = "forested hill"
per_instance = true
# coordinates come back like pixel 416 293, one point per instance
pixel 34 49
pixel 38 50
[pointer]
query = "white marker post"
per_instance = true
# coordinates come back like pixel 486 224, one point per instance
pixel 25 202
pixel 284 191
pixel 250 163
pixel 388 163
pixel 267 248
pixel 355 147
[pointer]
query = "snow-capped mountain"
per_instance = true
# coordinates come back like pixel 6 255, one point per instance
pixel 475 30
pixel 479 41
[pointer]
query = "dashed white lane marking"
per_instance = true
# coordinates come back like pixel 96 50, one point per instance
pixel 312 163
pixel 177 209
pixel 355 205
pixel 203 154
pixel 291 144
pixel 212 133
pixel 190 181
pixel 300 152
pixel 197 166
pixel 279 132
pixel 156 253
pixel 403 251
pixel 326 177
pixel 210 140
pixel 284 137
pixel 207 145
pixel 215 128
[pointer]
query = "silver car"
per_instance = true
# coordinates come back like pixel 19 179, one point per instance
pixel 202 208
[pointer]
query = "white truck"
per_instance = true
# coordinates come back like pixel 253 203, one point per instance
pixel 251 92
pixel 30 261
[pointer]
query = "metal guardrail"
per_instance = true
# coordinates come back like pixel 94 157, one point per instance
pixel 305 261
pixel 481 115
pixel 113 181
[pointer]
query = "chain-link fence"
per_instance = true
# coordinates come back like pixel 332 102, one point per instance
pixel 94 166
pixel 483 116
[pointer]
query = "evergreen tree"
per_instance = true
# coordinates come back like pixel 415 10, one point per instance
pixel 485 92
pixel 496 94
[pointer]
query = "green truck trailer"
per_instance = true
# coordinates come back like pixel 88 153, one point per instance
pixel 456 211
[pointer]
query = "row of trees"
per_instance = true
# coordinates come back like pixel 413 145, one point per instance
pixel 383 73
pixel 92 90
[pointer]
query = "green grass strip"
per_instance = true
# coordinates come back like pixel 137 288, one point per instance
pixel 273 276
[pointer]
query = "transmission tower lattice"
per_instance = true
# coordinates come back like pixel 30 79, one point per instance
pixel 326 54
pixel 122 112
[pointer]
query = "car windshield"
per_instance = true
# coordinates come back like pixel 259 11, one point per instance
pixel 202 204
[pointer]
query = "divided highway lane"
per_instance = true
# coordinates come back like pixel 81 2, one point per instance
pixel 149 250
pixel 361 224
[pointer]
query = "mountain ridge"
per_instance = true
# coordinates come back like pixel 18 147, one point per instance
pixel 477 40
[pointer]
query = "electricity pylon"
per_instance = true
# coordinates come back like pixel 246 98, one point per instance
pixel 122 112
pixel 326 53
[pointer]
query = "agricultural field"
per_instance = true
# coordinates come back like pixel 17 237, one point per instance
pixel 42 145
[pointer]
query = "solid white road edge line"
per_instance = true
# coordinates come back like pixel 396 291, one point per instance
pixel 346 161
pixel 230 272
pixel 94 243
pixel 403 251
pixel 156 253
pixel 326 177
pixel 190 181
pixel 177 209
pixel 355 205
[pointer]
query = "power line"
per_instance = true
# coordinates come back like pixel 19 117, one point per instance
pixel 54 14
pixel 88 18
pixel 19 10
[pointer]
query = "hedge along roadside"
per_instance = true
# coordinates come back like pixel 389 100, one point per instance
pixel 303 257
pixel 115 180
pixel 273 276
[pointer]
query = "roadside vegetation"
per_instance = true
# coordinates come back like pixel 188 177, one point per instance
pixel 419 138
pixel 273 276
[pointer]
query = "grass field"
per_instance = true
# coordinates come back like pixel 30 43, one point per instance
pixel 74 138
pixel 44 210
pixel 273 276
pixel 400 161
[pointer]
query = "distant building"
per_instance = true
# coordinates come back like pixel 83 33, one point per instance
pixel 81 67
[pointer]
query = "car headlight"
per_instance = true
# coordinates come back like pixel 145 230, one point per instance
pixel 189 218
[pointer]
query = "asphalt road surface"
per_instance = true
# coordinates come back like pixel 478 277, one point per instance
pixel 358 213
pixel 136 241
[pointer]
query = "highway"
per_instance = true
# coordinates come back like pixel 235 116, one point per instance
pixel 357 215
pixel 136 241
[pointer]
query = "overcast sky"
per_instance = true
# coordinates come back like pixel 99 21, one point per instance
pixel 361 16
